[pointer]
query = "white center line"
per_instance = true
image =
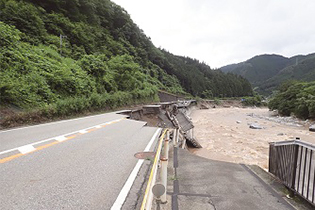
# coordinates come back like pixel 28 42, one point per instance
pixel 26 149
pixel 83 131
pixel 61 138
pixel 63 121
pixel 58 138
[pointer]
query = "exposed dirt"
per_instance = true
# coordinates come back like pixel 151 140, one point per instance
pixel 225 135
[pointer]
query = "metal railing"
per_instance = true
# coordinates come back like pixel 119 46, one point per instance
pixel 148 195
pixel 293 162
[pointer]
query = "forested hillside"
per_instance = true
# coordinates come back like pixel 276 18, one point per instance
pixel 267 72
pixel 296 98
pixel 69 56
pixel 258 68
pixel 303 69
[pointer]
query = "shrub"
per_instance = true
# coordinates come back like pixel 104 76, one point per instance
pixel 297 99
pixel 255 100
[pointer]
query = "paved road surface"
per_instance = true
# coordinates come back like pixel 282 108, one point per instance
pixel 74 164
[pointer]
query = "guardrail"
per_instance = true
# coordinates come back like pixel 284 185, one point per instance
pixel 293 162
pixel 148 196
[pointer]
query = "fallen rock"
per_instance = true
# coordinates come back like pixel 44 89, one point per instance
pixel 312 128
pixel 255 126
pixel 238 122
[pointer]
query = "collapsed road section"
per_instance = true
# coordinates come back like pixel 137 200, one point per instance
pixel 171 115
pixel 181 180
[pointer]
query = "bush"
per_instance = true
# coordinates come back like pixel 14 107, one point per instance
pixel 9 36
pixel 297 99
pixel 256 100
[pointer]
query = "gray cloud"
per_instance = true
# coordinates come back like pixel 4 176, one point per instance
pixel 227 31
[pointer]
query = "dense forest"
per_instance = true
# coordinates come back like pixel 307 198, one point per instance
pixel 296 98
pixel 267 72
pixel 69 56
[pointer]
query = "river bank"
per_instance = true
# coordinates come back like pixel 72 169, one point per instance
pixel 225 135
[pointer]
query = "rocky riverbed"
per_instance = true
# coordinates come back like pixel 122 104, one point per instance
pixel 225 133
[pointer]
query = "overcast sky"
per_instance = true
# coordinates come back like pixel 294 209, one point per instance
pixel 221 32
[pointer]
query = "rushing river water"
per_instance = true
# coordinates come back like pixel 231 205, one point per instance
pixel 225 135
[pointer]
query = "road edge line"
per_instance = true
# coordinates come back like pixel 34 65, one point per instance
pixel 132 177
pixel 59 121
pixel 54 138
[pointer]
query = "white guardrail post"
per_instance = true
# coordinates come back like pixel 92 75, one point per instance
pixel 175 137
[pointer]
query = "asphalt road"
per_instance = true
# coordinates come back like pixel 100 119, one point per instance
pixel 74 164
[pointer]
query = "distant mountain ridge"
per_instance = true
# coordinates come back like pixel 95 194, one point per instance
pixel 266 72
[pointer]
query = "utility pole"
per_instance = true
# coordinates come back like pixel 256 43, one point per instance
pixel 61 37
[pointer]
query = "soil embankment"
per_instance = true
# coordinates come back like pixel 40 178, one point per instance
pixel 225 135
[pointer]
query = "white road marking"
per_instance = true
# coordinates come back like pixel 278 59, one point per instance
pixel 128 184
pixel 98 126
pixel 54 138
pixel 83 131
pixel 63 121
pixel 61 138
pixel 26 149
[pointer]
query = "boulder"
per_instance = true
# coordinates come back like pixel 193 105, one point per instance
pixel 312 128
pixel 255 126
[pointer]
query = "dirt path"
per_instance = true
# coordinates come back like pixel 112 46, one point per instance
pixel 225 135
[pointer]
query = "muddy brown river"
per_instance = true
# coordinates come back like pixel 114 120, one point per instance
pixel 225 135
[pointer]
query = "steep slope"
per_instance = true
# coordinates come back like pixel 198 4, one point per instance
pixel 65 52
pixel 266 72
pixel 259 68
pixel 302 70
pixel 199 79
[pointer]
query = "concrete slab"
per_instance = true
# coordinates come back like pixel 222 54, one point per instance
pixel 196 203
pixel 210 184
pixel 184 122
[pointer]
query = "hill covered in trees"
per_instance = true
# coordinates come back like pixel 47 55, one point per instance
pixel 296 98
pixel 69 56
pixel 267 72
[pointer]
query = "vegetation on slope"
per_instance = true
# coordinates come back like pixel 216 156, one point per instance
pixel 303 70
pixel 259 68
pixel 104 60
pixel 296 98
pixel 199 80
pixel 267 72
pixel 37 76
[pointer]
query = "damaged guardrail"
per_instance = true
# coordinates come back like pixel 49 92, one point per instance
pixel 293 162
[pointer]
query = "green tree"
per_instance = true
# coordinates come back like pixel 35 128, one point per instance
pixel 26 18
